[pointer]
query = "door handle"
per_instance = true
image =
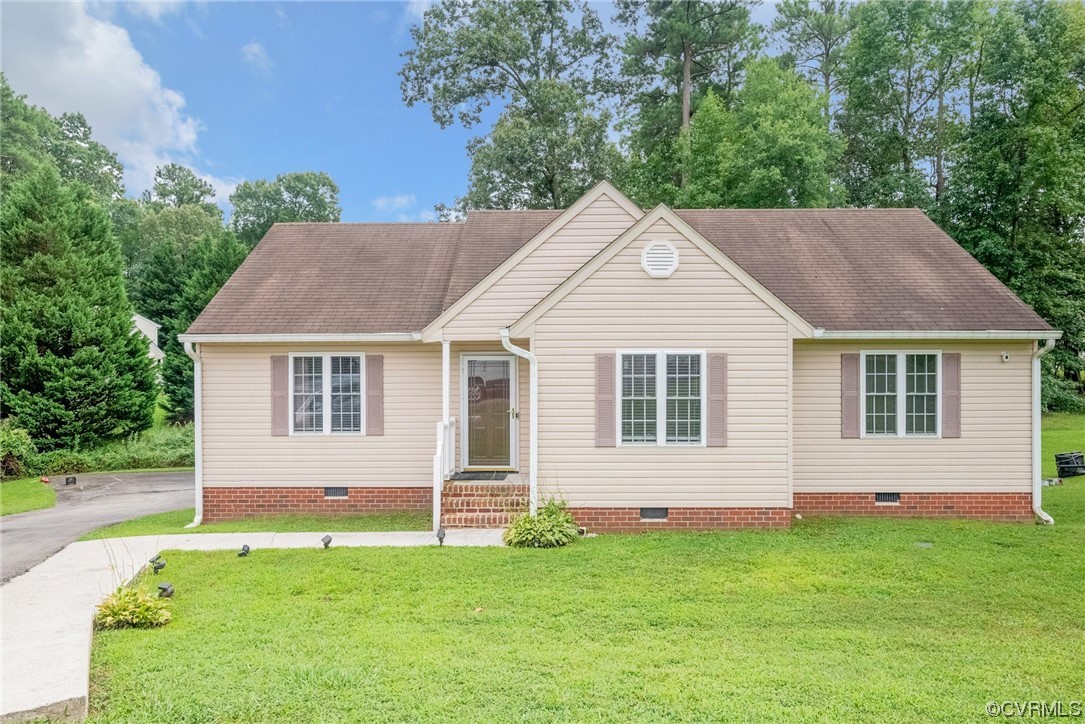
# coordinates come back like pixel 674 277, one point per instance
pixel 514 413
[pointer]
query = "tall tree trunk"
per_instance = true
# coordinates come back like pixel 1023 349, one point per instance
pixel 687 83
pixel 939 150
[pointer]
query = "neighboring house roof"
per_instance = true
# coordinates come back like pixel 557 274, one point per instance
pixel 839 269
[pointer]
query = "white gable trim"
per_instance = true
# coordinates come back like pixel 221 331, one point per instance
pixel 432 331
pixel 660 213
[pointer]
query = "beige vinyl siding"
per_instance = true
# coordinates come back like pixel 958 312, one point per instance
pixel 239 449
pixel 700 307
pixel 542 270
pixel 993 453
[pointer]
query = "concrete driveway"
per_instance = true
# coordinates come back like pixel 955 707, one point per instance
pixel 27 539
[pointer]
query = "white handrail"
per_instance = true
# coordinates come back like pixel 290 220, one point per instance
pixel 444 463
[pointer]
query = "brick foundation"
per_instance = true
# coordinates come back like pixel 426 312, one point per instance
pixel 979 506
pixel 627 520
pixel 234 503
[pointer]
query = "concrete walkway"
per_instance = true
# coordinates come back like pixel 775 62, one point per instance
pixel 46 613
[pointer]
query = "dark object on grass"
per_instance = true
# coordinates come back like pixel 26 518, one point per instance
pixel 70 480
pixel 157 563
pixel 326 540
pixel 243 552
pixel 1070 464
pixel 440 536
pixel 165 589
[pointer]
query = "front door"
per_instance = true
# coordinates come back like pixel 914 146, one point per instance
pixel 489 411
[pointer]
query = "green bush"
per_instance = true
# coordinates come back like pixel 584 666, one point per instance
pixel 17 451
pixel 171 446
pixel 131 607
pixel 551 527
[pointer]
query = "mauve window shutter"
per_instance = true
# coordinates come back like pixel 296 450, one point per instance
pixel 849 395
pixel 374 394
pixel 605 408
pixel 951 394
pixel 280 395
pixel 717 400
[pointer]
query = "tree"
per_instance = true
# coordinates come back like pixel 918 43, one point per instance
pixel 71 371
pixel 547 163
pixel 164 236
pixel 177 186
pixel 80 158
pixel 815 34
pixel 209 265
pixel 675 53
pixel 304 196
pixel 1014 197
pixel 469 54
pixel 772 150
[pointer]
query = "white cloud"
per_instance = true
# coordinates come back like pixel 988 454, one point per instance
pixel 423 215
pixel 154 9
pixel 396 202
pixel 417 8
pixel 67 60
pixel 255 56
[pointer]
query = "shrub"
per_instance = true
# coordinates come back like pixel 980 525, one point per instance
pixel 131 607
pixel 171 446
pixel 17 451
pixel 551 527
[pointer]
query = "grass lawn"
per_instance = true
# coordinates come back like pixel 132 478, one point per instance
pixel 1062 432
pixel 19 496
pixel 175 522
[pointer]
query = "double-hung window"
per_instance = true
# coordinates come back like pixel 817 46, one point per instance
pixel 901 394
pixel 326 393
pixel 661 398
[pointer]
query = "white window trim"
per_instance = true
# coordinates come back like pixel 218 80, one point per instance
pixel 326 367
pixel 902 392
pixel 661 397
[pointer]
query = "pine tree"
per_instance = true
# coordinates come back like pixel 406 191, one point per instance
pixel 71 370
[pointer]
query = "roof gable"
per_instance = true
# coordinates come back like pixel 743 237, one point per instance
pixel 660 213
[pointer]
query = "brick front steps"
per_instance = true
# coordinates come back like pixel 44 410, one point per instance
pixel 477 504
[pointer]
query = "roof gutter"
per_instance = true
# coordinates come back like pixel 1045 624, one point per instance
pixel 820 333
pixel 1037 458
pixel 533 413
pixel 255 338
pixel 197 421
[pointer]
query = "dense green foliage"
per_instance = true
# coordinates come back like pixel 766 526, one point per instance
pixel 835 620
pixel 972 110
pixel 169 446
pixel 307 196
pixel 134 606
pixel 73 374
pixel 552 526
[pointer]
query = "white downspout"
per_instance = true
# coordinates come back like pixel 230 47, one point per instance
pixel 1037 457
pixel 533 425
pixel 193 351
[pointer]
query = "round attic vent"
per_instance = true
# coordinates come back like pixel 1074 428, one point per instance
pixel 659 259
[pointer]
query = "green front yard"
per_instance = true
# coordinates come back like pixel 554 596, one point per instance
pixel 175 521
pixel 845 619
pixel 19 496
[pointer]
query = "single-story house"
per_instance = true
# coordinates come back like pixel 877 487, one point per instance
pixel 655 369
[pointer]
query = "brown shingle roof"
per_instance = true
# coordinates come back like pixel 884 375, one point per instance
pixel 838 269
pixel 865 269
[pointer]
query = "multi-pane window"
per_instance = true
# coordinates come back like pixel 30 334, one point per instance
pixel 893 406
pixel 683 398
pixel 881 394
pixel 661 397
pixel 326 393
pixel 308 394
pixel 639 418
pixel 921 395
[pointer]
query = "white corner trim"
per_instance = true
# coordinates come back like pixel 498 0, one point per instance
pixel 432 331
pixel 820 333
pixel 803 328
pixel 292 338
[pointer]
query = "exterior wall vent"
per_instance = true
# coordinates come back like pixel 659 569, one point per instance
pixel 887 498
pixel 659 259
pixel 335 492
pixel 654 513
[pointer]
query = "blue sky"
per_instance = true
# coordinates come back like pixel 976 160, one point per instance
pixel 246 90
